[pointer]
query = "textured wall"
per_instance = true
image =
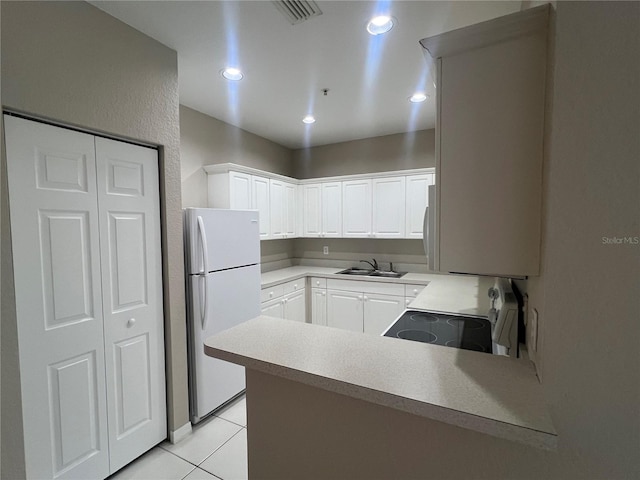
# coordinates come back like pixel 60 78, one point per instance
pixel 70 62
pixel 205 140
pixel 587 295
pixel 399 151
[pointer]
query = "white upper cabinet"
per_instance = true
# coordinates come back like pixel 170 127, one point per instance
pixel 389 207
pixel 312 207
pixel 332 209
pixel 260 200
pixel 356 208
pixel 416 203
pixel 277 208
pixel 489 144
pixel 291 210
pixel 240 191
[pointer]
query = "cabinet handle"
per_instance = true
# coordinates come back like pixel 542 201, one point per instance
pixel 271 294
pixel 324 293
pixel 131 322
pixel 415 290
pixel 366 298
pixel 295 286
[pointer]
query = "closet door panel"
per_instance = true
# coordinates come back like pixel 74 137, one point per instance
pixel 128 204
pixel 55 241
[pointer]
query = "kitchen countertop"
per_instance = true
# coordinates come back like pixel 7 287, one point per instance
pixel 461 294
pixel 491 394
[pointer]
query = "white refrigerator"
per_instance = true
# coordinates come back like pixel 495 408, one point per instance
pixel 222 255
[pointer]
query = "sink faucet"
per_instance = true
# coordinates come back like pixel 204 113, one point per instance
pixel 374 265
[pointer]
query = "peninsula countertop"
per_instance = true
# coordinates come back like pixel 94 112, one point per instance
pixel 491 394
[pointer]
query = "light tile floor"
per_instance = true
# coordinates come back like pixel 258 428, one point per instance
pixel 217 449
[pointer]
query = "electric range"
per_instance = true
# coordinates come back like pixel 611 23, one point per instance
pixel 495 333
pixel 468 333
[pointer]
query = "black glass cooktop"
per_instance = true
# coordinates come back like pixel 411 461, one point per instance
pixel 468 333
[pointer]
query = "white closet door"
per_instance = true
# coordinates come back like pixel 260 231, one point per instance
pixel 54 229
pixel 128 204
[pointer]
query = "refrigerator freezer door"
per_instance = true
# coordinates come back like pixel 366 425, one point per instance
pixel 228 238
pixel 233 297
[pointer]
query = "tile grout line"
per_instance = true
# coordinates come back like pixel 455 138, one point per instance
pixel 228 440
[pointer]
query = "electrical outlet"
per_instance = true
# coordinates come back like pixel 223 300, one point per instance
pixel 533 330
pixel 325 250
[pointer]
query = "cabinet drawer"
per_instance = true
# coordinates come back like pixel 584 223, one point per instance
pixel 367 287
pixel 317 282
pixel 270 293
pixel 413 290
pixel 294 285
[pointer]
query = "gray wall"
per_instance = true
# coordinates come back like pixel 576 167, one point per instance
pixel 587 295
pixel 70 62
pixel 354 249
pixel 205 140
pixel 399 151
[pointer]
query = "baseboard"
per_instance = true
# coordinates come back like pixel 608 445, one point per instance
pixel 181 433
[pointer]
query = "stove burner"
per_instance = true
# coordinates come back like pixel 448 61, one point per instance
pixel 466 323
pixel 466 345
pixel 417 336
pixel 423 317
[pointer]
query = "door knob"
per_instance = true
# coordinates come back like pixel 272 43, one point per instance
pixel 130 322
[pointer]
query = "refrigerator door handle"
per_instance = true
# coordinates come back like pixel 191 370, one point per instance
pixel 203 244
pixel 204 303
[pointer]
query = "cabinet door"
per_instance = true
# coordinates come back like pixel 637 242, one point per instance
pixel 290 210
pixel 344 310
pixel 380 311
pixel 356 208
pixel 239 191
pixel 273 308
pixel 319 306
pixel 312 205
pixel 56 259
pixel 491 116
pixel 276 208
pixel 260 201
pixel 416 203
pixel 388 207
pixel 295 306
pixel 332 209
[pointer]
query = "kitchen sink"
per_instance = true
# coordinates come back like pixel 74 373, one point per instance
pixel 380 273
pixel 371 273
pixel 356 271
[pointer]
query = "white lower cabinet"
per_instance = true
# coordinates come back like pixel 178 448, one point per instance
pixel 319 306
pixel 362 306
pixel 344 310
pixel 411 292
pixel 286 301
pixel 295 307
pixel 273 308
pixel 380 311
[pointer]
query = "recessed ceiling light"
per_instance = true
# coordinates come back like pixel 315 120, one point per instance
pixel 418 97
pixel 309 119
pixel 232 73
pixel 379 25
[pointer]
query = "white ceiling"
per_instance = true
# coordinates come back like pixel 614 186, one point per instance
pixel 286 66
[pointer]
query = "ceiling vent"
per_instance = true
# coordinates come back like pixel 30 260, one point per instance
pixel 297 11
